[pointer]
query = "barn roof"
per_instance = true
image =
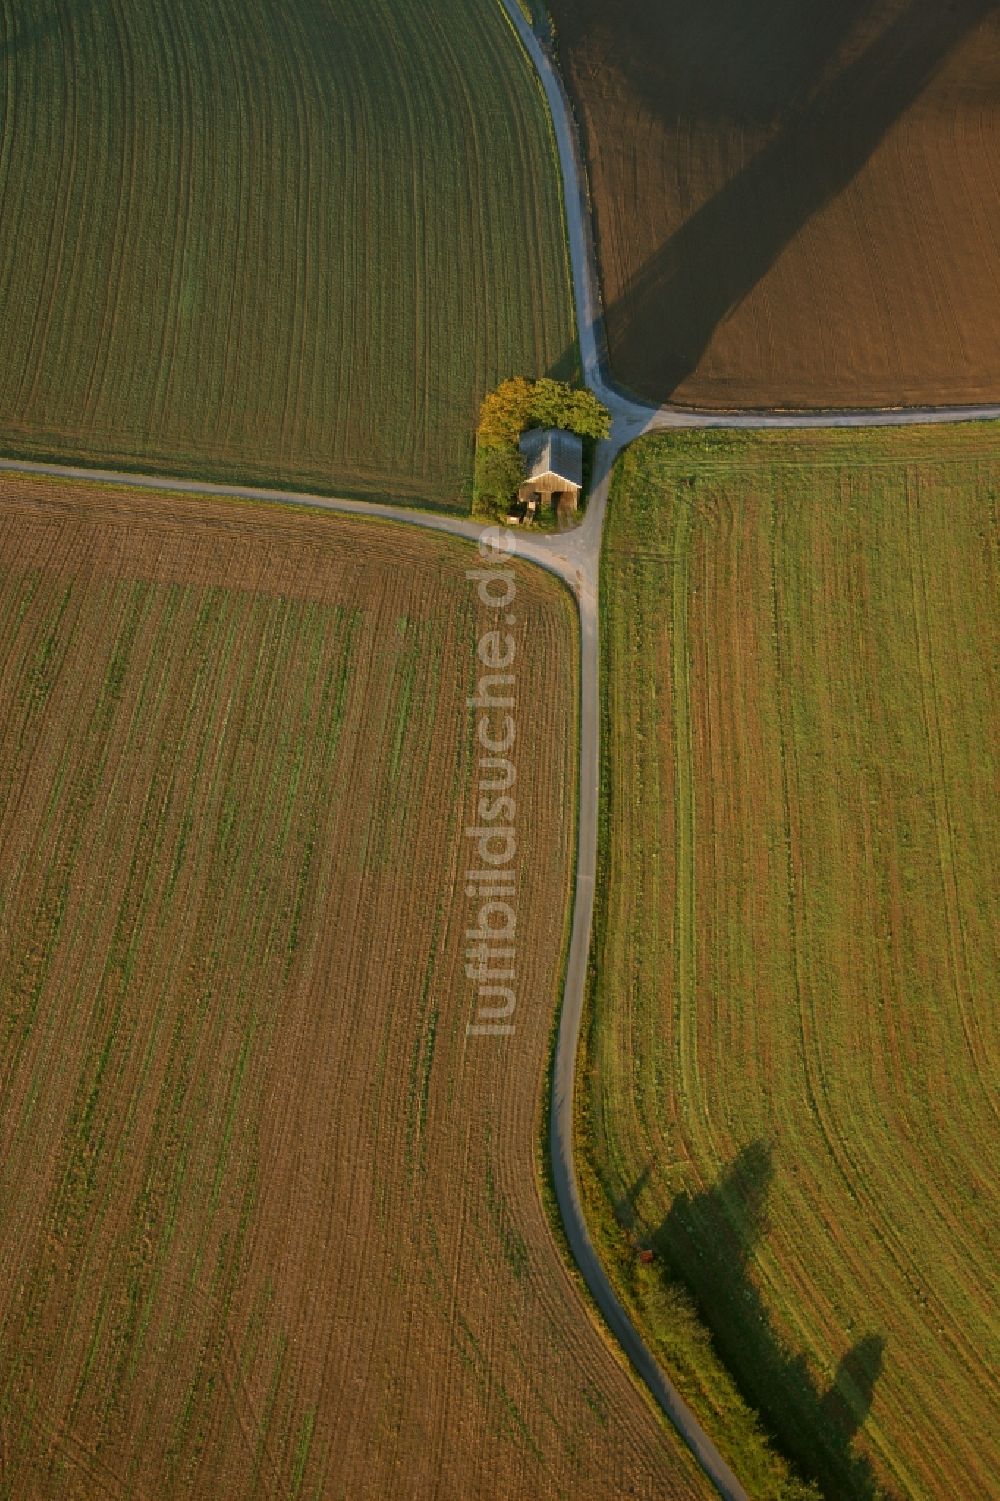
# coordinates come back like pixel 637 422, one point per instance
pixel 550 450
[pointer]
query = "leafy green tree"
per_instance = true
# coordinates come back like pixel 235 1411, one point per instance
pixel 556 404
pixel 588 416
pixel 499 473
pixel 505 412
pixel 517 404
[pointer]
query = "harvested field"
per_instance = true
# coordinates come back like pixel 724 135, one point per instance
pixel 270 1222
pixel 793 1053
pixel 795 202
pixel 273 243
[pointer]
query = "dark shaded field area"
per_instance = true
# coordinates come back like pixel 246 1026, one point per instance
pixel 796 203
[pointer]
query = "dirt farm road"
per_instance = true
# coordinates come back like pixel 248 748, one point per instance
pixel 575 558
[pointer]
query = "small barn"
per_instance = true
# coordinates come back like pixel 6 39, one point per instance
pixel 553 465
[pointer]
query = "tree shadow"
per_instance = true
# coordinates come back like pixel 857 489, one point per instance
pixel 565 367
pixel 707 1242
pixel 625 1207
pixel 828 117
pixel 722 58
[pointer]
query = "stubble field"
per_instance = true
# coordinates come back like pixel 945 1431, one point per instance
pixel 269 1220
pixel 795 202
pixel 792 1063
pixel 288 243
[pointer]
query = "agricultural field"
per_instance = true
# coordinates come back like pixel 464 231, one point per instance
pixel 792 1048
pixel 289 243
pixel 794 201
pixel 270 1221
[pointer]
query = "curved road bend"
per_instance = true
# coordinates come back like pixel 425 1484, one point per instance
pixel 562 562
pixel 631 416
pixel 582 548
pixel 575 558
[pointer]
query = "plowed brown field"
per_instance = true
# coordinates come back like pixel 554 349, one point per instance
pixel 796 202
pixel 269 1220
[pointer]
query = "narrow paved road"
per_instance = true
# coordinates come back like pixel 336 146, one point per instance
pixel 562 562
pixel 632 417
pixel 581 550
pixel 574 557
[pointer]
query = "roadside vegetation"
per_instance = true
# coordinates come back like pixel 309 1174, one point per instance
pixel 269 1218
pixel 785 1110
pixel 535 12
pixel 287 244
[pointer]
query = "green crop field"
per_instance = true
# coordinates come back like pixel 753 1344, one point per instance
pixel 291 242
pixel 793 1039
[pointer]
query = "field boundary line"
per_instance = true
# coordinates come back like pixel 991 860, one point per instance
pixel 630 419
pixel 631 415
pixel 573 558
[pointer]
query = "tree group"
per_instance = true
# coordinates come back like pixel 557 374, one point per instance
pixel 510 409
pixel 518 404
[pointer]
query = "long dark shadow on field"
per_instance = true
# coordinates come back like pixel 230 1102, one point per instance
pixel 707 1242
pixel 625 1207
pixel 694 282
